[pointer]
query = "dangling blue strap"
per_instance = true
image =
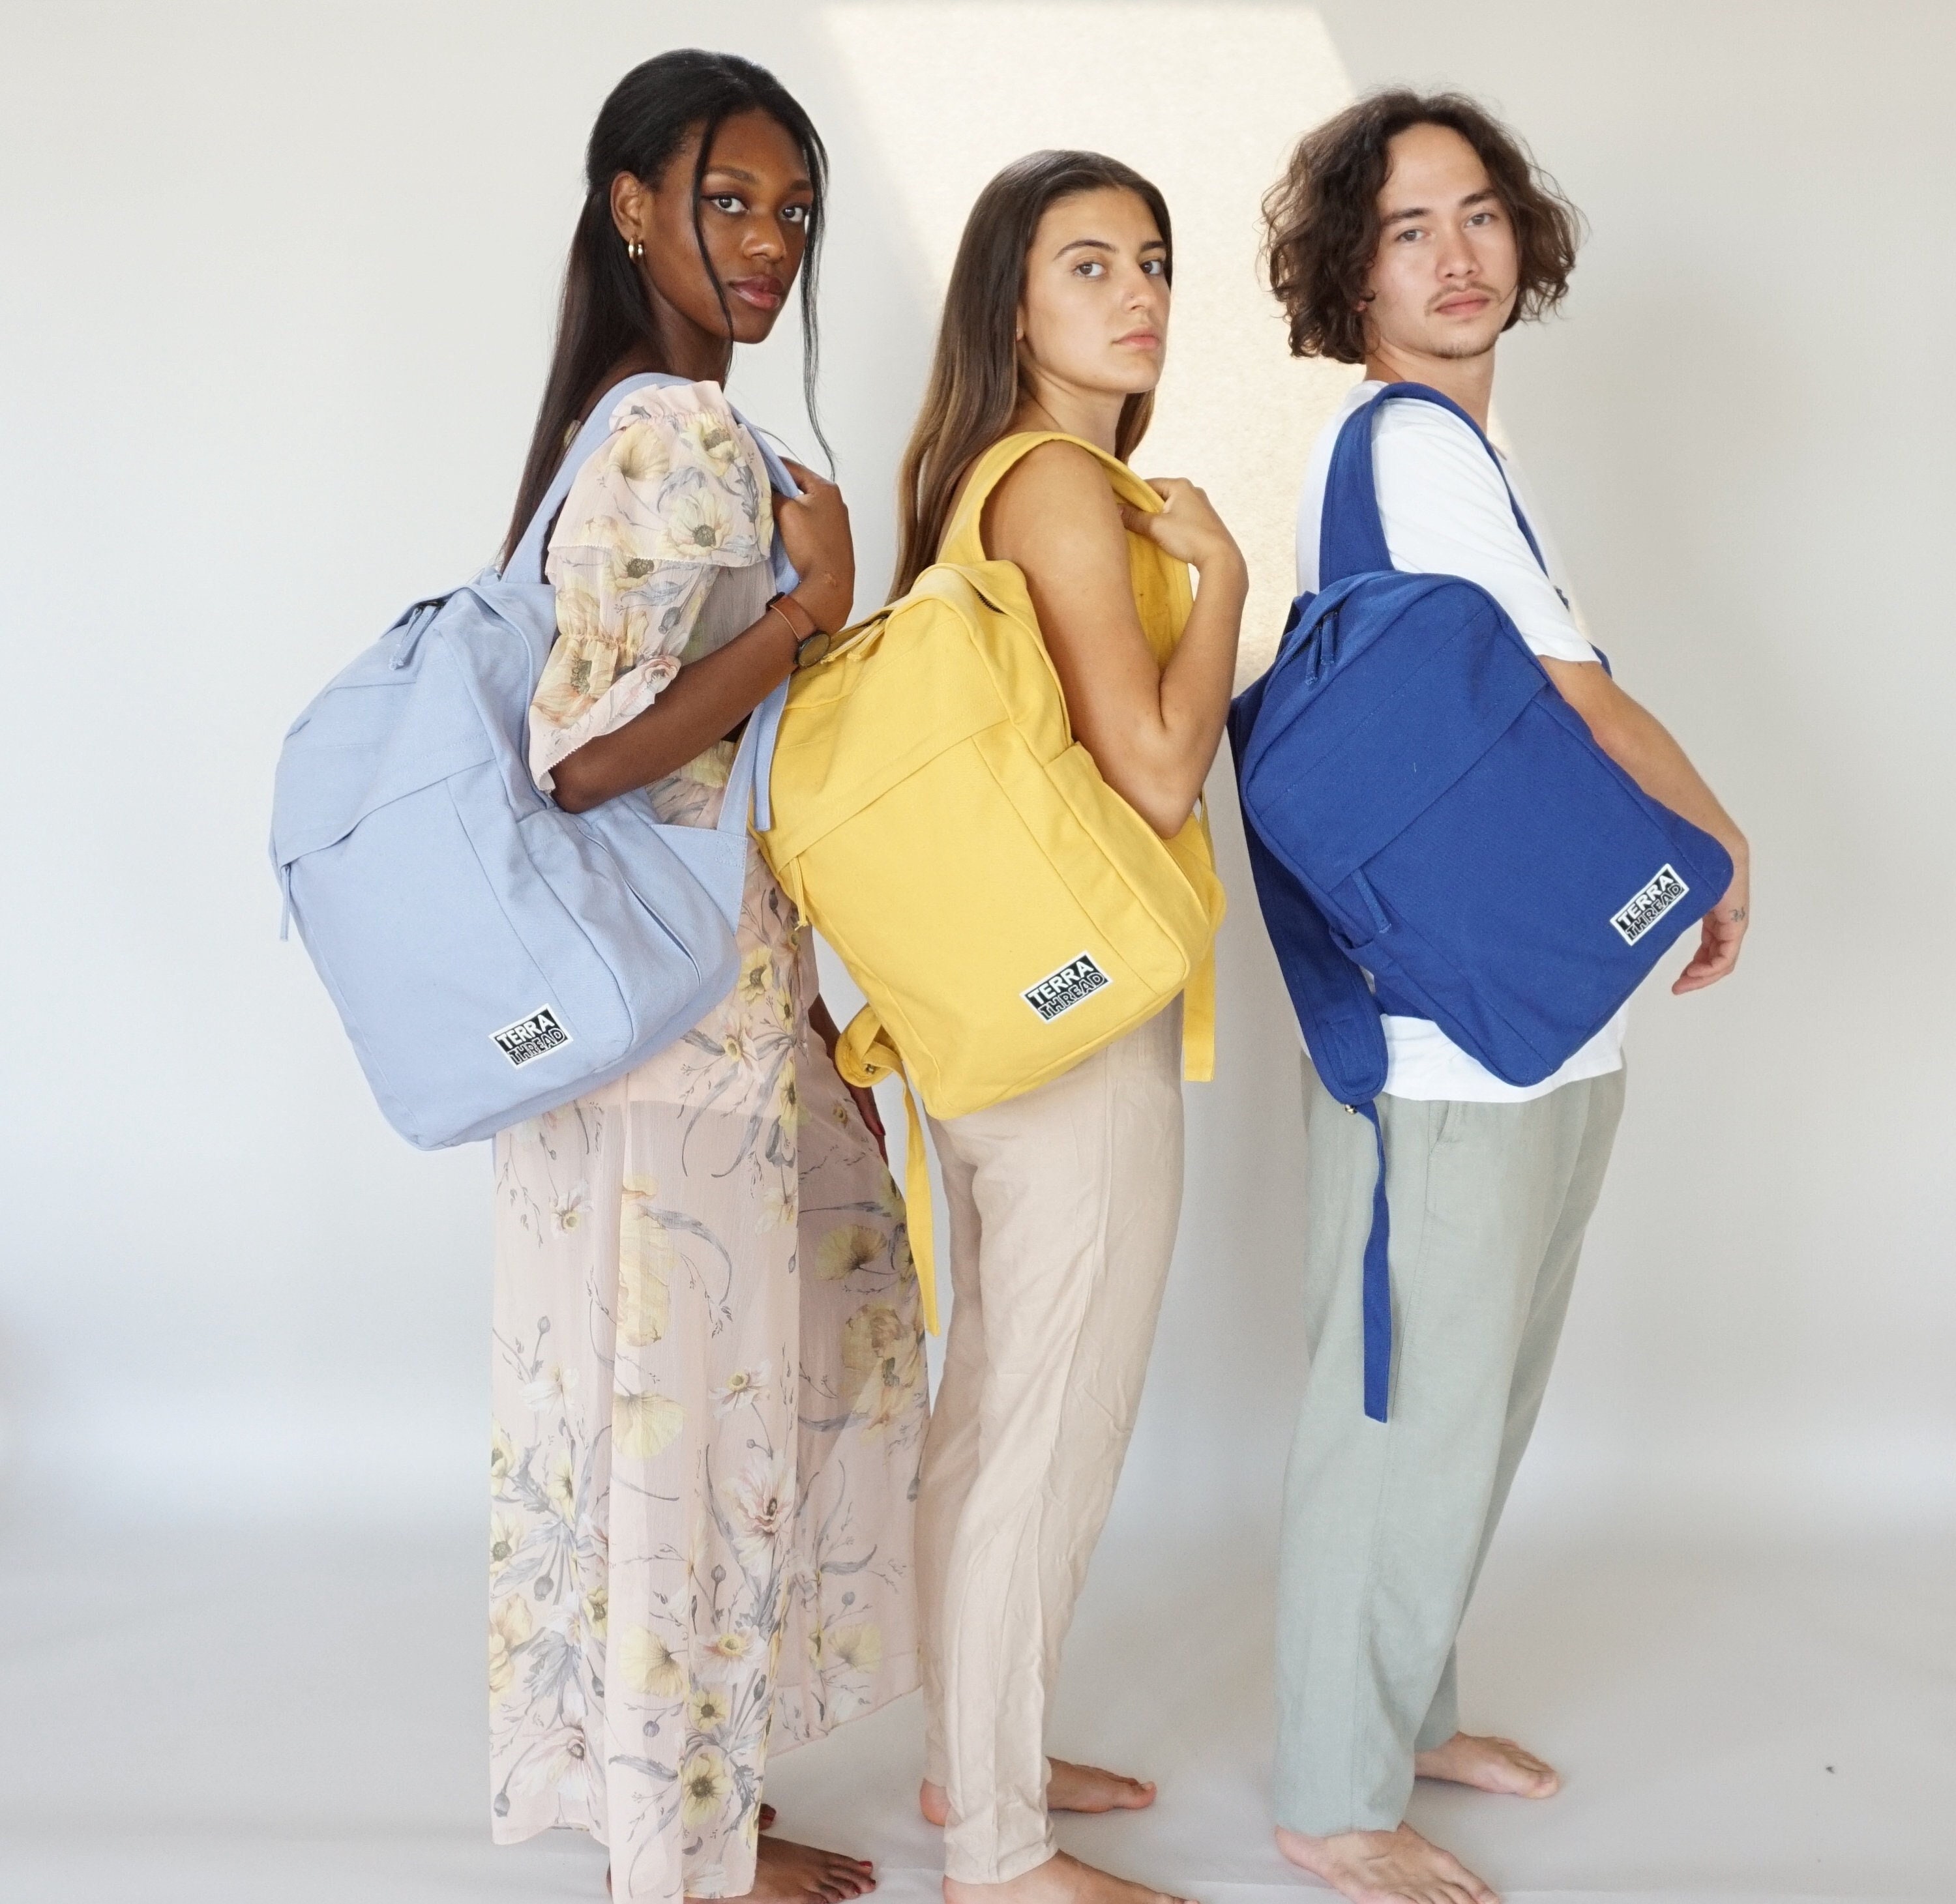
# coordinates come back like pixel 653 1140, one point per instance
pixel 1377 1281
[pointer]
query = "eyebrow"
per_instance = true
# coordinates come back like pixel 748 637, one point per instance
pixel 1481 197
pixel 748 178
pixel 1106 244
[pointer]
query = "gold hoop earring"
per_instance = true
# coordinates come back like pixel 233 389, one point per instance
pixel 635 251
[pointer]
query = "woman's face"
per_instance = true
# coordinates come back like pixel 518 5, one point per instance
pixel 1094 312
pixel 754 203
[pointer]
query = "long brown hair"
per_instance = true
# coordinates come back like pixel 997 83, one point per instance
pixel 603 315
pixel 1321 218
pixel 974 376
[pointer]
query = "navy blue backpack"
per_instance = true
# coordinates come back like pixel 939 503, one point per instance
pixel 1422 805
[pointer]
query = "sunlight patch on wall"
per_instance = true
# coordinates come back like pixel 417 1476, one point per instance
pixel 1205 99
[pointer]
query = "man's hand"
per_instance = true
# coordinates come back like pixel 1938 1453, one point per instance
pixel 1721 932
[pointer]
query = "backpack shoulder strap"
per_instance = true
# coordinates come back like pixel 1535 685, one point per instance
pixel 1335 1007
pixel 1346 1040
pixel 963 542
pixel 526 561
pixel 1350 539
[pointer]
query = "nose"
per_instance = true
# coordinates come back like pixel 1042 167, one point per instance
pixel 1455 256
pixel 762 240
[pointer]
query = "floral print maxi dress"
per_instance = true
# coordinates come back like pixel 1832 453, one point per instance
pixel 709 1398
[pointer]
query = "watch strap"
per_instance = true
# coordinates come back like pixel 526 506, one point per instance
pixel 797 616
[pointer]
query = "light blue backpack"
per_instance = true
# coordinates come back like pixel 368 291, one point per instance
pixel 491 955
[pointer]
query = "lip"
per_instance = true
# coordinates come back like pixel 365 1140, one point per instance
pixel 764 294
pixel 1466 303
pixel 1141 340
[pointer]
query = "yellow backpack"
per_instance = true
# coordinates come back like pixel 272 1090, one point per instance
pixel 1005 912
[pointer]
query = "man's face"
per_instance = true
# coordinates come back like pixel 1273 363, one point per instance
pixel 1443 281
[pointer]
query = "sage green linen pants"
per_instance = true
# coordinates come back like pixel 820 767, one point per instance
pixel 1385 1524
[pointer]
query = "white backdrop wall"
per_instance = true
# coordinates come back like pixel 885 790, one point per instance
pixel 276 298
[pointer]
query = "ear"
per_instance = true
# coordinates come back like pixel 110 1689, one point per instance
pixel 631 208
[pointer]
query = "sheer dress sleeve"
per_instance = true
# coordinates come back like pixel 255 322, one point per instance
pixel 677 493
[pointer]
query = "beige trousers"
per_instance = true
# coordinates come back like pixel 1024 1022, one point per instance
pixel 1063 1204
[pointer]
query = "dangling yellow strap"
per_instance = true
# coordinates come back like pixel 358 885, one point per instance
pixel 1198 997
pixel 865 1056
pixel 1198 1021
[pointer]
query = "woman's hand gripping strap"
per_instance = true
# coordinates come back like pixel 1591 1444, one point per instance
pixel 865 1056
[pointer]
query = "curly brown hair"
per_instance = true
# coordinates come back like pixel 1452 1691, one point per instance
pixel 1321 218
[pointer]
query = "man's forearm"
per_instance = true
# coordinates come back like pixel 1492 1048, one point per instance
pixel 1642 746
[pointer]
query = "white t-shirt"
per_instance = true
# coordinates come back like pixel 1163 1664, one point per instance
pixel 1446 511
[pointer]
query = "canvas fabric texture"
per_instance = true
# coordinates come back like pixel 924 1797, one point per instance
pixel 1444 512
pixel 1385 1524
pixel 1064 1203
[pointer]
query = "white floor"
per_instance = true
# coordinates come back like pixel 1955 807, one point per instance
pixel 222 1718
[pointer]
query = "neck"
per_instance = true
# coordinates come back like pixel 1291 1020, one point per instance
pixel 1469 381
pixel 684 348
pixel 695 369
pixel 1046 404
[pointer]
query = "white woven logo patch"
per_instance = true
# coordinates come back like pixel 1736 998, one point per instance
pixel 532 1037
pixel 1059 992
pixel 1644 908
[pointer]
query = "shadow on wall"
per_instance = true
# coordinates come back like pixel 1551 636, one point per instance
pixel 1206 101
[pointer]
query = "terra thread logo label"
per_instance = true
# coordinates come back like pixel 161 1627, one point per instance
pixel 532 1037
pixel 1059 991
pixel 1643 910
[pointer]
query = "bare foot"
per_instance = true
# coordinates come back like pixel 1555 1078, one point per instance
pixel 1490 1765
pixel 1060 1879
pixel 1070 1788
pixel 786 1873
pixel 1085 1787
pixel 1386 1867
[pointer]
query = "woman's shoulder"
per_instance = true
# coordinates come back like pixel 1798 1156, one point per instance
pixel 1055 482
pixel 1059 462
pixel 694 411
pixel 681 465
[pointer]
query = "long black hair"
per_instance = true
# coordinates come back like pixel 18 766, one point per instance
pixel 604 314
